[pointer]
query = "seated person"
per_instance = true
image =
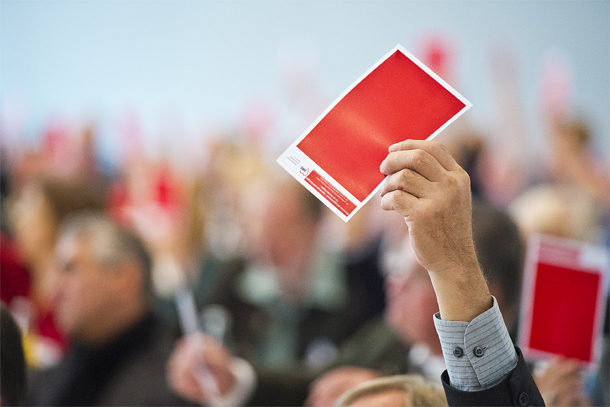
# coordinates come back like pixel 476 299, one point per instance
pixel 40 207
pixel 407 326
pixel 432 193
pixel 395 391
pixel 290 300
pixel 102 301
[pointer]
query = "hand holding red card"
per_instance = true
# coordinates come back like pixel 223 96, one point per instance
pixel 338 157
pixel 563 298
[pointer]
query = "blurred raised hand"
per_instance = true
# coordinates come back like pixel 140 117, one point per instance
pixel 561 383
pixel 199 369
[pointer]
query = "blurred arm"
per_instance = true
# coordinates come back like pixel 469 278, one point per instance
pixel 432 192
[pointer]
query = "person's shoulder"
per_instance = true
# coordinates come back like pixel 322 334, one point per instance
pixel 516 389
pixel 375 331
pixel 141 380
pixel 375 345
pixel 163 338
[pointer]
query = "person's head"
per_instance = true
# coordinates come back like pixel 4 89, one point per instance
pixel 102 283
pixel 410 297
pixel 12 361
pixel 557 210
pixel 290 223
pixel 394 391
pixel 411 300
pixel 287 234
pixel 43 205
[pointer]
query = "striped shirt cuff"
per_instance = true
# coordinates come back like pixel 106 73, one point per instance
pixel 478 354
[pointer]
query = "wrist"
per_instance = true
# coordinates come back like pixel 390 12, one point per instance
pixel 462 293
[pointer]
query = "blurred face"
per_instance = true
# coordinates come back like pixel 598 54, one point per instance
pixel 286 234
pixel 85 292
pixel 411 304
pixel 287 241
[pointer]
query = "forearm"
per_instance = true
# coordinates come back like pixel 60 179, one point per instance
pixel 462 292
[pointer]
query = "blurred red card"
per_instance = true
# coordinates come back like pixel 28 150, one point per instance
pixel 562 303
pixel 338 156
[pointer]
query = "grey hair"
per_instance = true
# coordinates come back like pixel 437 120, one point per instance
pixel 112 244
pixel 418 391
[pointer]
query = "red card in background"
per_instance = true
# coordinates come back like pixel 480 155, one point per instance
pixel 563 299
pixel 396 99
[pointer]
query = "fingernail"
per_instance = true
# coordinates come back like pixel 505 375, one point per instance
pixel 381 166
pixel 393 147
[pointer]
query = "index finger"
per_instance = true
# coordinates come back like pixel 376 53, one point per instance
pixel 419 161
pixel 435 149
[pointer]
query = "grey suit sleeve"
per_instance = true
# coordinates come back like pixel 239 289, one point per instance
pixel 478 354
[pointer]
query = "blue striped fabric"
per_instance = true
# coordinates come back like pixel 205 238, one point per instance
pixel 470 372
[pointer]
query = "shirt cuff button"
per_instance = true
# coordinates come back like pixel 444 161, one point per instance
pixel 478 351
pixel 458 352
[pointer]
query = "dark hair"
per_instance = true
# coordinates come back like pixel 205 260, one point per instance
pixel 310 205
pixel 13 379
pixel 499 249
pixel 66 196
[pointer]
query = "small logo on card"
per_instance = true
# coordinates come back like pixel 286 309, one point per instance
pixel 303 170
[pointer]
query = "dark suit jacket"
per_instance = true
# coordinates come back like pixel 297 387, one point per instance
pixel 129 371
pixel 251 322
pixel 517 389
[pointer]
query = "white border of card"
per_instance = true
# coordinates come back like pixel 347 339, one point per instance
pixel 592 259
pixel 293 159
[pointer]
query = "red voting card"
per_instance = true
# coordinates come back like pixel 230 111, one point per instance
pixel 563 299
pixel 338 157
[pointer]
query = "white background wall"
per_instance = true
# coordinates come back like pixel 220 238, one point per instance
pixel 201 62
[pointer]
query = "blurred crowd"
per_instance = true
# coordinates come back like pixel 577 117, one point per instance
pixel 295 306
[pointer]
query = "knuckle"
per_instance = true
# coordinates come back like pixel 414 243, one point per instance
pixel 462 173
pixel 395 200
pixel 418 157
pixel 392 160
pixel 464 177
pixel 402 144
pixel 441 148
pixel 434 144
pixel 453 182
pixel 460 176
pixel 401 202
